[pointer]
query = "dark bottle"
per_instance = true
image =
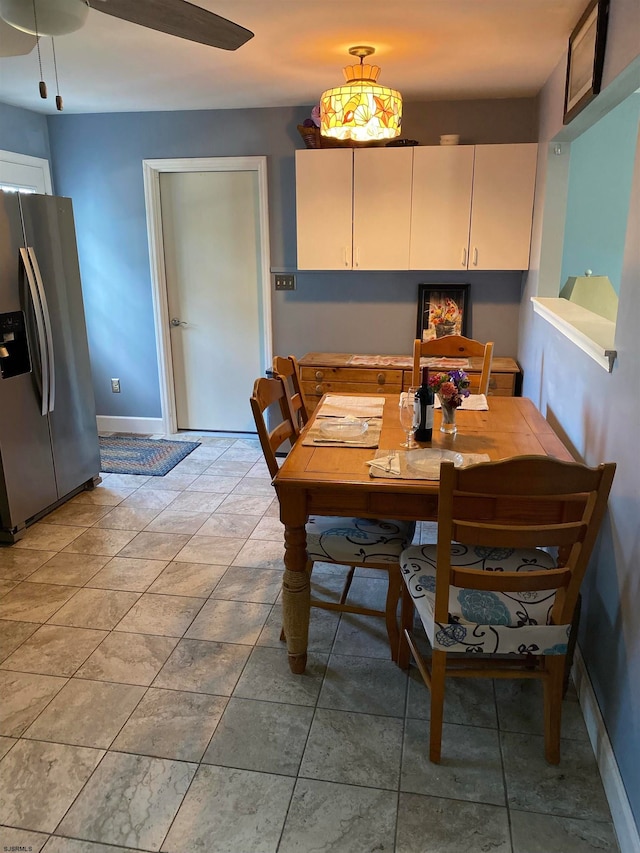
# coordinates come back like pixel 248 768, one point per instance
pixel 423 417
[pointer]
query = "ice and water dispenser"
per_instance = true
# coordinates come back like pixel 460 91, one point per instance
pixel 14 349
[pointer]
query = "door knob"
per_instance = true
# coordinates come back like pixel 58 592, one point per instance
pixel 175 321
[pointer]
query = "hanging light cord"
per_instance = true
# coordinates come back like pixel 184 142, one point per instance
pixel 55 68
pixel 43 85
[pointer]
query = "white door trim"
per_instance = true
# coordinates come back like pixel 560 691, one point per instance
pixel 151 172
pixel 9 160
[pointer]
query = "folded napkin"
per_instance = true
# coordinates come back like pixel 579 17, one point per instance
pixel 336 406
pixel 392 465
pixel 472 403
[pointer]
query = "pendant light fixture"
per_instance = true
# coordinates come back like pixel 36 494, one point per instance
pixel 361 110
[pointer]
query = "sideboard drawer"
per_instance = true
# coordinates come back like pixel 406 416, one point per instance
pixel 351 374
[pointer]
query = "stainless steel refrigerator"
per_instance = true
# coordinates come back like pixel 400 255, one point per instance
pixel 48 435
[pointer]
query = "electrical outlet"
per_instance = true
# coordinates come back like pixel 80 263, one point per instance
pixel 285 282
pixel 115 386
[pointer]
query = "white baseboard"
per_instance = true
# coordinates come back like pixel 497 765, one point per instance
pixel 623 821
pixel 144 426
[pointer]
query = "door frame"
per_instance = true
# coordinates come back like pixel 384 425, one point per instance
pixel 152 170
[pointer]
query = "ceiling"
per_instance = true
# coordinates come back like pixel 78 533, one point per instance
pixel 428 49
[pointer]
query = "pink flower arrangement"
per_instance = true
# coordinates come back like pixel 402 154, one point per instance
pixel 451 387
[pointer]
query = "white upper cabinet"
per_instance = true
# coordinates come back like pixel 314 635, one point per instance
pixel 381 208
pixel 502 208
pixel 324 208
pixel 423 208
pixel 441 207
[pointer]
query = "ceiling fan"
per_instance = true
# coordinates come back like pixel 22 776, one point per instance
pixel 58 17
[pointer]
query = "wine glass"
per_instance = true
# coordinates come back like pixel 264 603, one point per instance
pixel 407 408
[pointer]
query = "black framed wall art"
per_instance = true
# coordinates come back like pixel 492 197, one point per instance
pixel 585 58
pixel 443 309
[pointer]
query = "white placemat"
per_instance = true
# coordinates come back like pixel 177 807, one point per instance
pixel 472 403
pixel 336 406
pixel 371 438
pixel 392 464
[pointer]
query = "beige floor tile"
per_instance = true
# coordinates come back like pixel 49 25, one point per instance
pixel 261 554
pixel 228 468
pixel 255 486
pixel 24 695
pixel 126 481
pixel 95 608
pixel 174 481
pixel 269 528
pixel 127 573
pixel 172 521
pixel 41 780
pixel 166 615
pixel 210 549
pixel 229 622
pixel 213 484
pixel 101 541
pixel 128 658
pixel 104 495
pixel 18 565
pixel 163 546
pixel 245 505
pixel 13 634
pixel 242 584
pixel 86 713
pixel 127 518
pixel 229 525
pixel 23 839
pixel 7 586
pixel 48 537
pixel 34 602
pixel 203 667
pixel 69 569
pixel 197 502
pixel 149 499
pixel 171 724
pixel 80 515
pixel 191 579
pixel 55 650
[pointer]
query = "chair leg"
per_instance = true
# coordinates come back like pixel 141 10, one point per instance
pixel 406 623
pixel 347 585
pixel 391 609
pixel 553 682
pixel 571 645
pixel 438 672
pixel 283 636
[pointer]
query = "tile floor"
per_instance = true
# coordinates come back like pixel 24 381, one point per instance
pixel 147 702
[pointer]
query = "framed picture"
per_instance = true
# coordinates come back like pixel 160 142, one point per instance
pixel 585 58
pixel 442 310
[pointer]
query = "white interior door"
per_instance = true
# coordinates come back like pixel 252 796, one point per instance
pixel 213 267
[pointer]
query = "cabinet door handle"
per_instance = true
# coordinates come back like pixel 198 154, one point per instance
pixel 358 257
pixel 346 257
pixel 475 256
pixel 464 257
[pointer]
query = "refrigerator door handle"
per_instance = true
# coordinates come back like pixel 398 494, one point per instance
pixel 47 327
pixel 37 310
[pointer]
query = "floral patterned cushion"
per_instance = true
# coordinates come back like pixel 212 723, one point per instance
pixel 482 620
pixel 361 540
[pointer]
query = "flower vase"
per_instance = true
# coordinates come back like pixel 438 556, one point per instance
pixel 448 423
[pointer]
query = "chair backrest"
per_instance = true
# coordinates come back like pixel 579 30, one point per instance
pixel 455 346
pixel 289 370
pixel 268 393
pixel 523 502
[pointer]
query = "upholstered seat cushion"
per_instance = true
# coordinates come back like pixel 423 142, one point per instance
pixel 357 540
pixel 482 620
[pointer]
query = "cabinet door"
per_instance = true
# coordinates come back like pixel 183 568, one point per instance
pixel 503 187
pixel 324 187
pixel 441 207
pixel 381 208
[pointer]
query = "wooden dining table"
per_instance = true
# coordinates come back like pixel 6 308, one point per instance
pixel 335 480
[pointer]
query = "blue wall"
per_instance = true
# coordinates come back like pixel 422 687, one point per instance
pixel 600 175
pixel 24 132
pixel 97 160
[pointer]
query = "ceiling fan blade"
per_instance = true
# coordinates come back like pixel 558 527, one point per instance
pixel 14 42
pixel 178 18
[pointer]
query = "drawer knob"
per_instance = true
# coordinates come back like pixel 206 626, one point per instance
pixel 381 378
pixel 319 375
pixel 492 383
pixel 318 389
pixel 380 389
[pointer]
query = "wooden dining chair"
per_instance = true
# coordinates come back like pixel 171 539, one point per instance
pixel 494 600
pixel 455 346
pixel 353 542
pixel 290 372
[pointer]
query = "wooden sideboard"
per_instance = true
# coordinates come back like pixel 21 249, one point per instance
pixel 335 372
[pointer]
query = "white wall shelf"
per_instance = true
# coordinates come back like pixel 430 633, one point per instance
pixel 591 333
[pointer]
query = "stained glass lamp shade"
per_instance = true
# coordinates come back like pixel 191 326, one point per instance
pixel 361 110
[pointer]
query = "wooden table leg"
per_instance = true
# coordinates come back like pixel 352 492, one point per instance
pixel 295 597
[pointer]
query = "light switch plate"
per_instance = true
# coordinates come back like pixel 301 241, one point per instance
pixel 115 386
pixel 285 282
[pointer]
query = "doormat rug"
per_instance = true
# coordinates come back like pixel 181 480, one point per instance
pixel 155 457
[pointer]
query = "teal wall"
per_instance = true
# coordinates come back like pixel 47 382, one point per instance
pixel 24 132
pixel 600 173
